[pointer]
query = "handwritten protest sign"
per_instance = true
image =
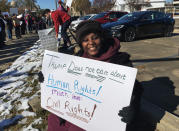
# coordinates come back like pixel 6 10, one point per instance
pixel 5 13
pixel 87 93
pixel 13 11
pixel 48 40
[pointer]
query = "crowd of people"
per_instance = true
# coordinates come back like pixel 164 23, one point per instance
pixel 27 23
pixel 21 24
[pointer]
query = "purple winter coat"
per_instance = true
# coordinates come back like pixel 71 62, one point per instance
pixel 54 125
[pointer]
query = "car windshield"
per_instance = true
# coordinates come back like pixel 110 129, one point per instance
pixel 85 17
pixel 98 16
pixel 92 16
pixel 131 16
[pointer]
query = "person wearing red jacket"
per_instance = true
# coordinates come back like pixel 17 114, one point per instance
pixel 62 18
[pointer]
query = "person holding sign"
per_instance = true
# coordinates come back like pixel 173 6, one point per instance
pixel 62 18
pixel 61 6
pixel 97 44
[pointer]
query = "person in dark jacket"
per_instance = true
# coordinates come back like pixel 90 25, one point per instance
pixel 23 25
pixel 16 23
pixel 9 26
pixel 62 18
pixel 30 23
pixel 97 44
pixel 2 31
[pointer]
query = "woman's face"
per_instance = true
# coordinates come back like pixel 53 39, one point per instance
pixel 91 44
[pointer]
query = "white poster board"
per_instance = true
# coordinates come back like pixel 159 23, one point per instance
pixel 5 13
pixel 87 93
pixel 13 11
pixel 48 40
pixel 68 3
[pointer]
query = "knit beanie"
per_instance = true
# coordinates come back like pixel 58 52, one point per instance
pixel 87 27
pixel 59 2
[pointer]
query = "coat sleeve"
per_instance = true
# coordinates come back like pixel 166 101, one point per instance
pixel 123 58
pixel 136 95
pixel 56 21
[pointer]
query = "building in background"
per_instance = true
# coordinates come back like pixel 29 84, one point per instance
pixel 176 3
pixel 138 5
pixel 156 5
pixel 176 8
pixel 120 5
pixel 13 3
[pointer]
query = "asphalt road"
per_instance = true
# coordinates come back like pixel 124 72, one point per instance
pixel 157 60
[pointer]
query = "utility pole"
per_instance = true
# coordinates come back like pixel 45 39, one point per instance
pixel 56 3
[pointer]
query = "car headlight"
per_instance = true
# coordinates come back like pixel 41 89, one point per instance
pixel 117 27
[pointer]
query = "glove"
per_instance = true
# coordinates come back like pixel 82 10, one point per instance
pixel 41 77
pixel 62 121
pixel 128 114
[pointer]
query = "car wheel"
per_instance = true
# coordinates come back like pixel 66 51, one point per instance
pixel 168 31
pixel 129 34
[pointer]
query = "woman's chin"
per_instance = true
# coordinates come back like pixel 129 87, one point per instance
pixel 93 54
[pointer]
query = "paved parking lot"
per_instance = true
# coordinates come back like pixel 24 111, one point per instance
pixel 157 60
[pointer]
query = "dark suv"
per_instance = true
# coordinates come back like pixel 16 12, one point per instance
pixel 109 16
pixel 141 24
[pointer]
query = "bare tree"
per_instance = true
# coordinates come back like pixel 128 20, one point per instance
pixel 30 4
pixel 136 5
pixel 102 5
pixel 4 5
pixel 82 6
pixel 22 4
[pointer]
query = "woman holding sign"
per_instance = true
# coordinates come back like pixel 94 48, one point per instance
pixel 97 44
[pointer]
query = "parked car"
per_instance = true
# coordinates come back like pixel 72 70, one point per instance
pixel 109 16
pixel 75 23
pixel 140 24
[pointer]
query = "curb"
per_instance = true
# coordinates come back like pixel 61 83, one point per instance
pixel 164 120
pixel 176 27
